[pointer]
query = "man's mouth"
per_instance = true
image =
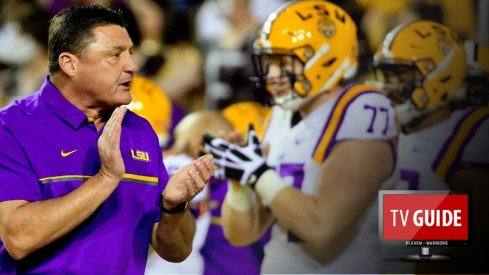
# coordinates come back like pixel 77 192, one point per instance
pixel 126 84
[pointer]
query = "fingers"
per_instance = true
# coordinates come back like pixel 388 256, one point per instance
pixel 266 149
pixel 199 174
pixel 109 145
pixel 112 129
pixel 235 137
pixel 238 138
pixel 193 182
pixel 252 136
pixel 189 180
pixel 205 166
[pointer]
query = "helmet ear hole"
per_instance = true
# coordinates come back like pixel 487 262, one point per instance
pixel 330 62
pixel 306 85
pixel 444 97
pixel 445 79
pixel 308 53
pixel 420 98
pixel 428 66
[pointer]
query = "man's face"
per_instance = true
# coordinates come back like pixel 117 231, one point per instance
pixel 400 81
pixel 280 69
pixel 106 68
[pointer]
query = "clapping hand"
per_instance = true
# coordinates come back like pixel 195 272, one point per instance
pixel 188 181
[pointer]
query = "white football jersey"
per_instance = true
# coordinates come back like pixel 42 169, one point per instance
pixel 359 112
pixel 426 159
pixel 193 264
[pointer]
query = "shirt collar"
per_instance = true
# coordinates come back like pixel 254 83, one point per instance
pixel 60 106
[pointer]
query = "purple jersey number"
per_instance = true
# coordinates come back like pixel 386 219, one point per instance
pixel 296 171
pixel 374 110
pixel 412 178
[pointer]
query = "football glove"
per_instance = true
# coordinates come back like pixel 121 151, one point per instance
pixel 244 164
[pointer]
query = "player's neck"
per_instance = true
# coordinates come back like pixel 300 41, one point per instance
pixel 318 101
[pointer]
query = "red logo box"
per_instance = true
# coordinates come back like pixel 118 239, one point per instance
pixel 427 216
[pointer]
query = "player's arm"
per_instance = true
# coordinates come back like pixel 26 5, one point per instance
pixel 244 218
pixel 27 226
pixel 173 235
pixel 348 179
pixel 347 182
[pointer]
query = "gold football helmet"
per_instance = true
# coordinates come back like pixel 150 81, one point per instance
pixel 320 35
pixel 436 59
pixel 241 114
pixel 150 102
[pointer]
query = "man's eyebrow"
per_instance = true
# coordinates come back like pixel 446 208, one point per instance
pixel 123 48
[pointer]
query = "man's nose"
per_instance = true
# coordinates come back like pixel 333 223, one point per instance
pixel 274 72
pixel 131 65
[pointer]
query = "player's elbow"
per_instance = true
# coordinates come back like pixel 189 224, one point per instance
pixel 18 247
pixel 316 239
pixel 17 253
pixel 318 243
pixel 178 258
pixel 175 256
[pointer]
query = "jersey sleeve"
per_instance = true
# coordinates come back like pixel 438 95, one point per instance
pixel 17 180
pixel 369 116
pixel 361 112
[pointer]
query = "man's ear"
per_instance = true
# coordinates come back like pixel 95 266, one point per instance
pixel 68 63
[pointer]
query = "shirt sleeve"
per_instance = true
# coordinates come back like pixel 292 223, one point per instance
pixel 17 180
pixel 369 117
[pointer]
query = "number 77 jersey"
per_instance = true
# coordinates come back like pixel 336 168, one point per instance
pixel 358 112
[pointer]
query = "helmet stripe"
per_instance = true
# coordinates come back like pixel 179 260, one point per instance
pixel 320 53
pixel 340 72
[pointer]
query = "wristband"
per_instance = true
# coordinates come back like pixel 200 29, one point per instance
pixel 175 210
pixel 268 186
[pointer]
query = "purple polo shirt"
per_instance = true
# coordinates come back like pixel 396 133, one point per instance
pixel 48 148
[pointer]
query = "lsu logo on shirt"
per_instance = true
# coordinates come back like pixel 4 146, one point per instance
pixel 140 155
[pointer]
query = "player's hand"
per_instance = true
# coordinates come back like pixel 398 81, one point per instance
pixel 235 137
pixel 112 164
pixel 188 181
pixel 242 163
